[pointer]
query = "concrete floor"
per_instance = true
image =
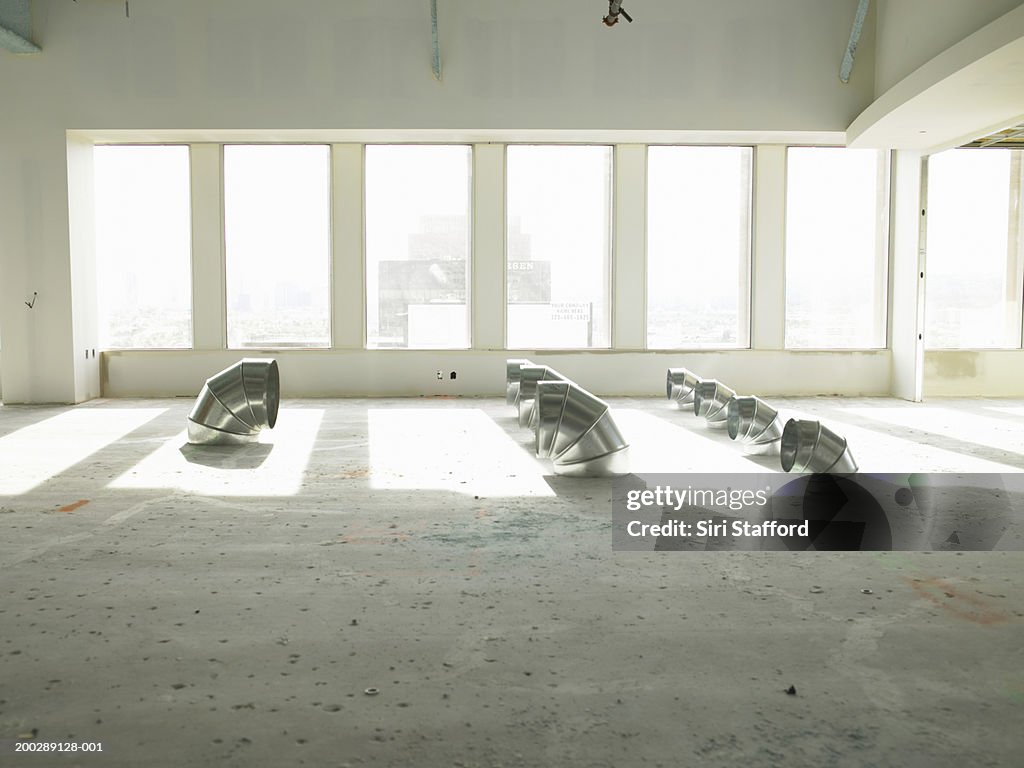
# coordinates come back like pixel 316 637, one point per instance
pixel 206 606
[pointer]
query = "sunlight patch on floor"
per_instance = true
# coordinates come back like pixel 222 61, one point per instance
pixel 34 454
pixel 462 450
pixel 959 426
pixel 658 445
pixel 275 466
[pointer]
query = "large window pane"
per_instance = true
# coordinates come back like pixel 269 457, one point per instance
pixel 973 288
pixel 698 246
pixel 558 235
pixel 417 246
pixel 143 247
pixel 835 248
pixel 277 236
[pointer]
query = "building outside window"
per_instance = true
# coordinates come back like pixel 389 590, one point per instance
pixel 417 246
pixel 558 246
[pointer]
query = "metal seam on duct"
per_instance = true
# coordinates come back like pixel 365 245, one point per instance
pixel 683 380
pixel 589 430
pixel 597 449
pixel 720 396
pixel 824 453
pixel 513 375
pixel 753 424
pixel 252 428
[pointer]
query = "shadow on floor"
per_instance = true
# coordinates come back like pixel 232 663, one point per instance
pixel 227 456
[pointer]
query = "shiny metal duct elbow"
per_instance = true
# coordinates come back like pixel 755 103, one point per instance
pixel 512 377
pixel 808 446
pixel 236 404
pixel 529 376
pixel 680 385
pixel 754 424
pixel 576 431
pixel 711 401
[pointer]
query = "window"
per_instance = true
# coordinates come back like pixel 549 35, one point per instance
pixel 974 282
pixel 417 246
pixel 558 246
pixel 143 247
pixel 836 213
pixel 698 246
pixel 277 237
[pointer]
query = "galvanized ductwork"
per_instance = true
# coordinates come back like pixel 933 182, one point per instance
pixel 680 385
pixel 754 424
pixel 711 401
pixel 576 431
pixel 529 376
pixel 808 446
pixel 512 375
pixel 236 404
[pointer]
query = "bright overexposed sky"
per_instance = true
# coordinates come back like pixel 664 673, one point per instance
pixel 833 216
pixel 143 233
pixel 698 225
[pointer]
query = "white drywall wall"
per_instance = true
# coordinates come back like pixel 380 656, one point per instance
pixel 985 373
pixel 479 372
pixel 257 65
pixel 906 276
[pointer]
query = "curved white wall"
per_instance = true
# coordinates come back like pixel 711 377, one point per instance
pixel 912 32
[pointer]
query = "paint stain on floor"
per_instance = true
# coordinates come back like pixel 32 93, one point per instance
pixel 74 505
pixel 953 601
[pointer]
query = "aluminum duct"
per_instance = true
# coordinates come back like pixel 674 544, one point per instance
pixel 236 404
pixel 754 424
pixel 529 376
pixel 711 401
pixel 547 414
pixel 576 431
pixel 680 385
pixel 512 374
pixel 807 446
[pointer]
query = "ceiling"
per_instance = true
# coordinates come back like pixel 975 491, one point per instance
pixel 1008 138
pixel 973 89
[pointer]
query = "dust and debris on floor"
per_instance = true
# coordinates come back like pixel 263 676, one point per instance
pixel 401 582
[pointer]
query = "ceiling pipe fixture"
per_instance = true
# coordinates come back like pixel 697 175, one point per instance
pixel 435 41
pixel 615 10
pixel 846 68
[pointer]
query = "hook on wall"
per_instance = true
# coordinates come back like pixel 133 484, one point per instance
pixel 31 304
